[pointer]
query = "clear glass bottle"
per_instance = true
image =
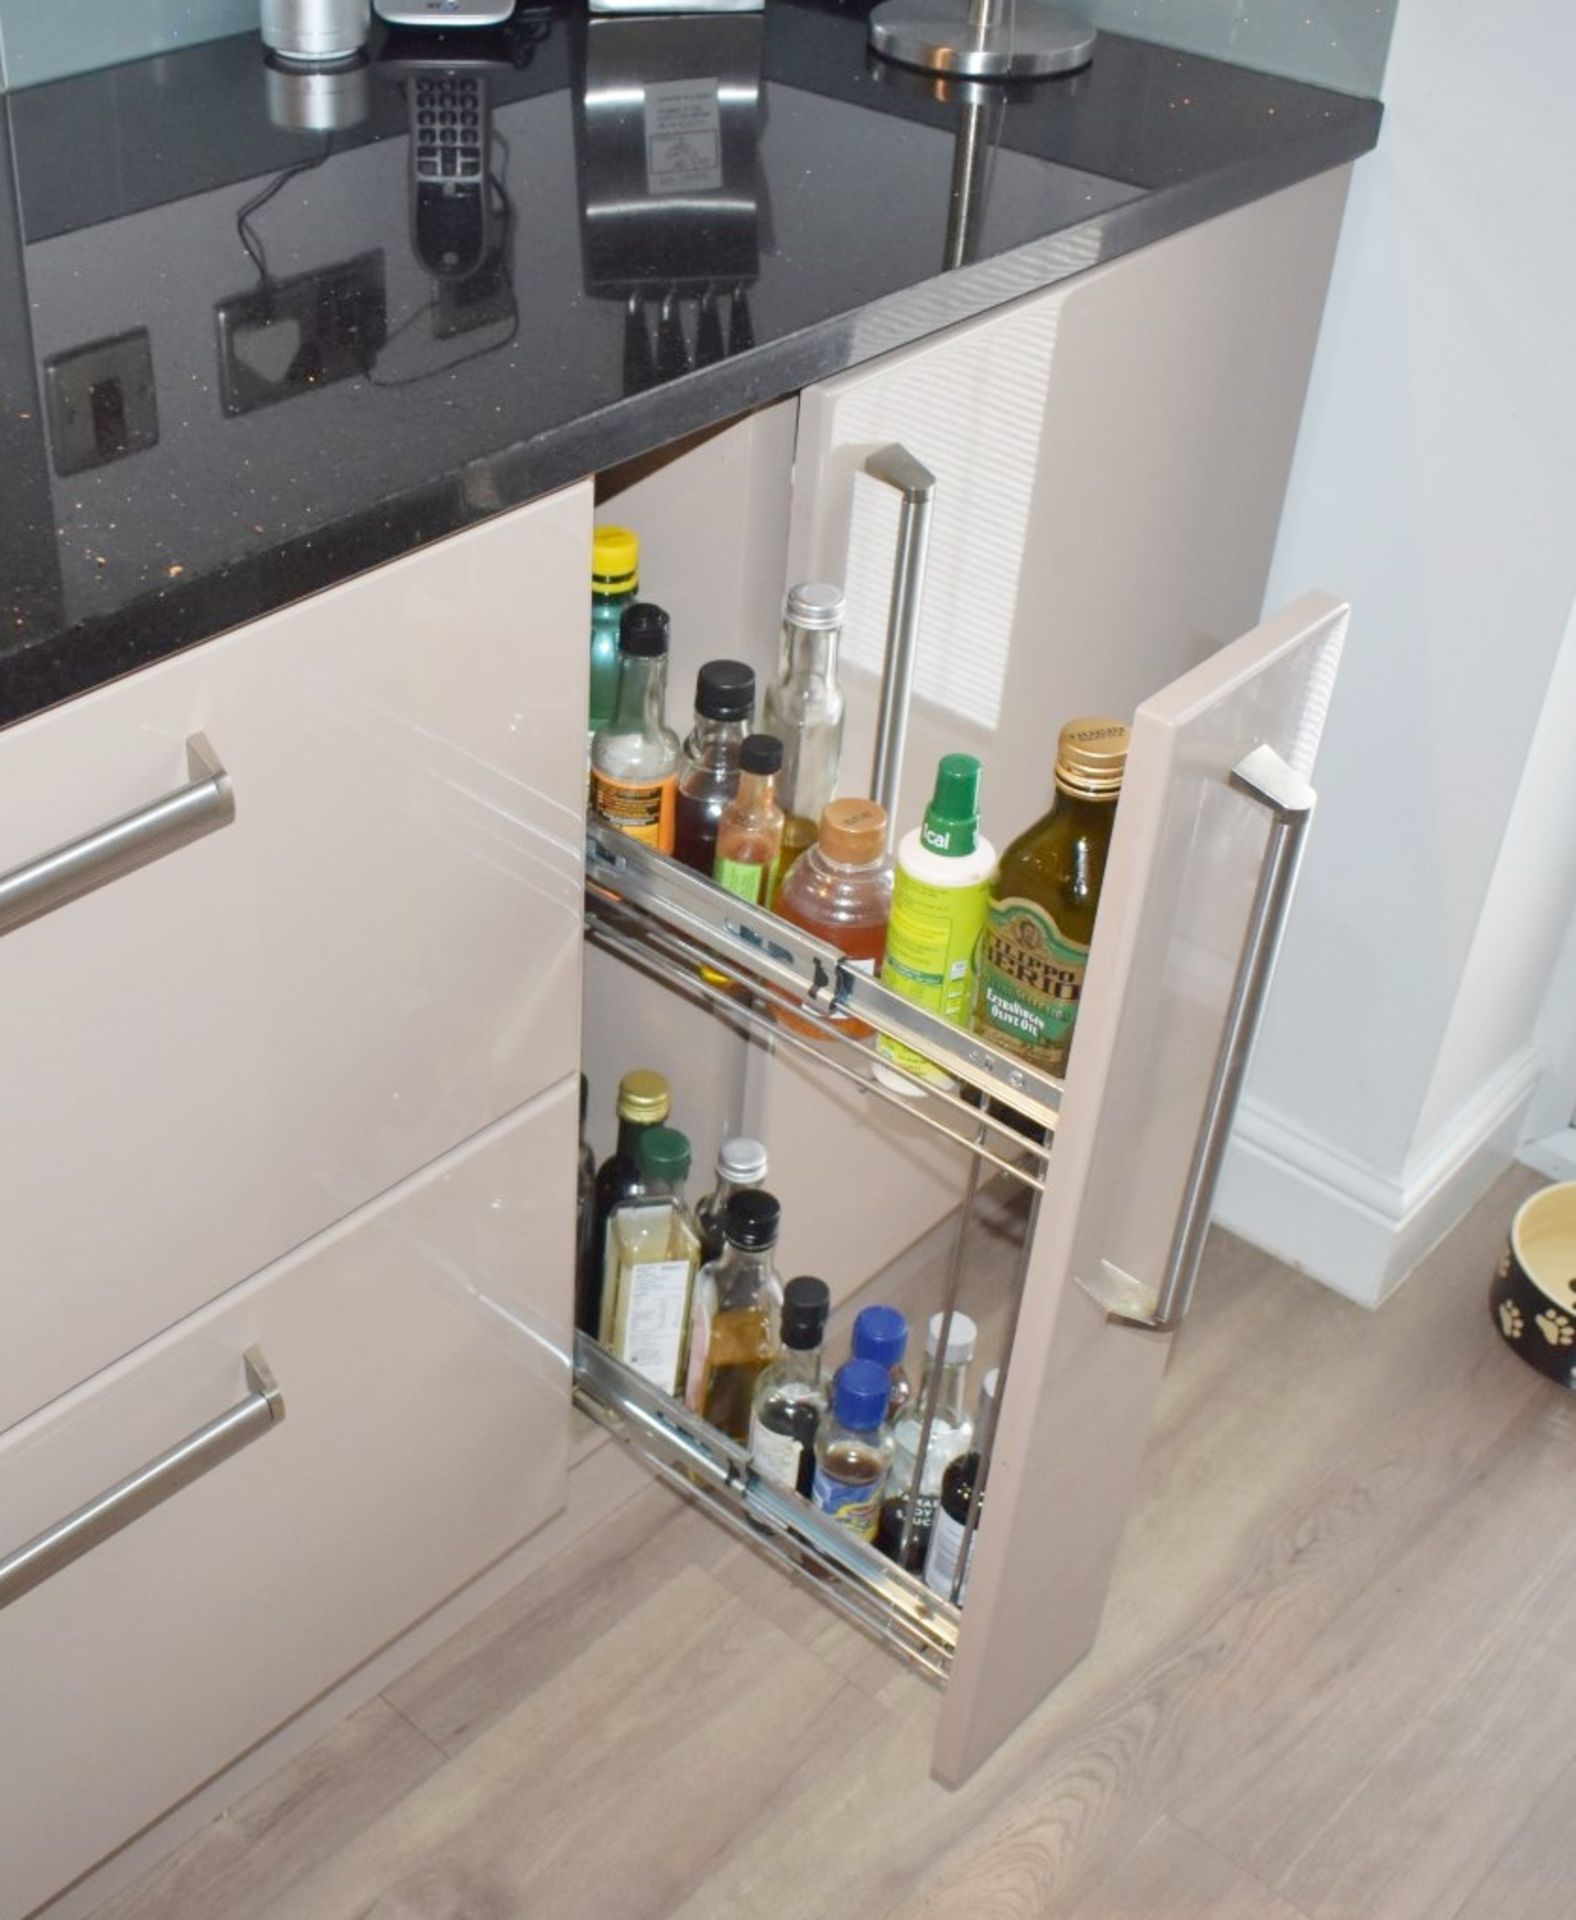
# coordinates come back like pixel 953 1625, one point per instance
pixel 841 889
pixel 789 1396
pixel 881 1334
pixel 951 1521
pixel 1043 901
pixel 615 580
pixel 804 709
pixel 951 1433
pixel 750 832
pixel 741 1164
pixel 644 1100
pixel 634 760
pixel 653 1252
pixel 709 762
pixel 853 1448
pixel 737 1313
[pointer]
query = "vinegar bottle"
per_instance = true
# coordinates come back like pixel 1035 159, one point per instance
pixel 634 759
pixel 841 889
pixel 709 766
pixel 750 832
pixel 735 1326
pixel 853 1449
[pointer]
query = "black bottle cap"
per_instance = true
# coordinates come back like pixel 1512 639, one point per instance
pixel 725 690
pixel 761 753
pixel 643 631
pixel 806 1303
pixel 750 1219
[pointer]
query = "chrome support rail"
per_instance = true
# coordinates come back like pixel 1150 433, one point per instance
pixel 67 872
pixel 149 1486
pixel 1264 777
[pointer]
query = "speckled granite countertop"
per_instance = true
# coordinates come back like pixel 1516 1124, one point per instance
pixel 328 392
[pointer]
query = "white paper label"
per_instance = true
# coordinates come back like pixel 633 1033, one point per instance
pixel 777 1455
pixel 683 137
pixel 654 1320
pixel 941 1562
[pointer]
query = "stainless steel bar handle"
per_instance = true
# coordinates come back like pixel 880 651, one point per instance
pixel 67 872
pixel 129 1499
pixel 1264 777
pixel 897 467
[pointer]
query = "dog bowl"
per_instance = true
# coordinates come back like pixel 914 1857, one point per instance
pixel 1534 1293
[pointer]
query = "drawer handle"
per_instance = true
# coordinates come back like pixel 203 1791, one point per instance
pixel 66 873
pixel 143 1490
pixel 897 467
pixel 1288 799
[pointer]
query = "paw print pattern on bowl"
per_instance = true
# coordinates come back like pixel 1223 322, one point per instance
pixel 1510 1320
pixel 1557 1328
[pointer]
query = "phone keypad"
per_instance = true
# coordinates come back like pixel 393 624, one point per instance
pixel 447 128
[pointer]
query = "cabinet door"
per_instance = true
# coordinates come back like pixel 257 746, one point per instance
pixel 1174 914
pixel 1110 458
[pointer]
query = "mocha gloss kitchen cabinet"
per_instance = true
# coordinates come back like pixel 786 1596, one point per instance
pixel 304 1084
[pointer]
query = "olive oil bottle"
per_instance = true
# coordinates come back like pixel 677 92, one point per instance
pixel 1043 901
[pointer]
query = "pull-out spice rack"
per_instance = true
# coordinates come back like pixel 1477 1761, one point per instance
pixel 706 944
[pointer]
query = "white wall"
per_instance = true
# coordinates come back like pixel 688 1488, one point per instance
pixel 1435 486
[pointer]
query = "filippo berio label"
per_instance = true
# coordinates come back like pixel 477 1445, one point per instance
pixel 1030 981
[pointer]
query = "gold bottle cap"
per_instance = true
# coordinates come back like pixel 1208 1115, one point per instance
pixel 644 1096
pixel 853 832
pixel 1091 754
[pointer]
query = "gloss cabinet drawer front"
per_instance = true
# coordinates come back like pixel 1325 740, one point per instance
pixel 419 1351
pixel 214 1055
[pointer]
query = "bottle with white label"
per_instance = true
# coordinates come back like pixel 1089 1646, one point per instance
pixel 653 1252
pixel 959 1486
pixel 853 1448
pixel 789 1396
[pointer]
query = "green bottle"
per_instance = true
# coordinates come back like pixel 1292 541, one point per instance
pixel 615 580
pixel 1043 903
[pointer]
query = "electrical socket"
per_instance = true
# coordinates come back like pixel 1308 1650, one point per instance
pixel 101 402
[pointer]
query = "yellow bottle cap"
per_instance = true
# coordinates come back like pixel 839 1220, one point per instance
pixel 1091 755
pixel 615 560
pixel 644 1095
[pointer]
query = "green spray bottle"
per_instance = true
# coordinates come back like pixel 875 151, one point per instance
pixel 940 900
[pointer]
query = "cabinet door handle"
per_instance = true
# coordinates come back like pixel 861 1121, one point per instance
pixel 129 1499
pixel 897 467
pixel 1265 777
pixel 205 803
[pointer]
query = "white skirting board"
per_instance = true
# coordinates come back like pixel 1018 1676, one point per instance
pixel 1358 1228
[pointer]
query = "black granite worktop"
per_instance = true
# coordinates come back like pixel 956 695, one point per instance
pixel 324 400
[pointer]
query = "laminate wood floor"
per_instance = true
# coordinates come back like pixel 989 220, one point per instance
pixel 1335 1681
